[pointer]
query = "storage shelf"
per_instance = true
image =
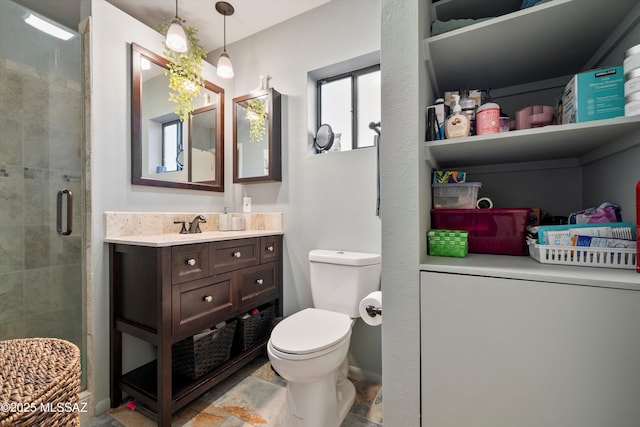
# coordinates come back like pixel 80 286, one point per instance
pixel 141 382
pixel 528 45
pixel 525 268
pixel 445 10
pixel 587 142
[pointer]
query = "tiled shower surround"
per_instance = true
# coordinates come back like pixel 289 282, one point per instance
pixel 41 272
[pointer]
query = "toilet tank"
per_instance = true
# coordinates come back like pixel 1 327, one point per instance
pixel 340 279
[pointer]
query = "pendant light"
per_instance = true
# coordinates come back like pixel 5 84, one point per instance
pixel 176 39
pixel 225 68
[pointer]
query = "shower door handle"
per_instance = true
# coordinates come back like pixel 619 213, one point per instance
pixel 69 217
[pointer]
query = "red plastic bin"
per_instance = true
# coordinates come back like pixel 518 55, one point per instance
pixel 491 231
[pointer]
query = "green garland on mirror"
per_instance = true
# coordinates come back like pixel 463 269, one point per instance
pixel 256 113
pixel 185 70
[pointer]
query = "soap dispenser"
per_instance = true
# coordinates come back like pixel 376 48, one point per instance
pixel 457 124
pixel 224 221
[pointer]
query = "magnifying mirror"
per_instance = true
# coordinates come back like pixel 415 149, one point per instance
pixel 324 138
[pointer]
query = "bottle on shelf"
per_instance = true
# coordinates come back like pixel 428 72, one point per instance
pixel 488 117
pixel 457 125
pixel 469 106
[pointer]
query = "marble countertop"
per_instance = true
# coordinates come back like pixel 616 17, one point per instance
pixel 161 240
pixel 160 229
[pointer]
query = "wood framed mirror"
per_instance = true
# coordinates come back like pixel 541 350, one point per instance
pixel 166 152
pixel 256 137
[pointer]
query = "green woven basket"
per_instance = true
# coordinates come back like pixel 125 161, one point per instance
pixel 452 243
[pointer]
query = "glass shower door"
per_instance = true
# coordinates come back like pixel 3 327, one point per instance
pixel 42 291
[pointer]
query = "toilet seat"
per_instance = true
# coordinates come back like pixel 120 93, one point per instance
pixel 310 332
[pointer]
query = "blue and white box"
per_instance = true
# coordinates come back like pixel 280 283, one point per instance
pixel 594 95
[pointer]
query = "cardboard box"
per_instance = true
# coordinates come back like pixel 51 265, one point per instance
pixel 594 95
pixel 536 216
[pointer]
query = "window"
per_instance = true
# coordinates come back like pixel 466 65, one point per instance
pixel 348 102
pixel 172 145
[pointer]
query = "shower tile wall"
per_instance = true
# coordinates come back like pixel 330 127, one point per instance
pixel 41 273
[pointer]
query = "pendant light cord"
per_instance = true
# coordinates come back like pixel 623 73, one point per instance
pixel 224 26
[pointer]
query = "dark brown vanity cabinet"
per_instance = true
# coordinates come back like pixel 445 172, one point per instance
pixel 163 295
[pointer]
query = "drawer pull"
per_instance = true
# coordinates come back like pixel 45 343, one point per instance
pixel 237 254
pixel 208 298
pixel 191 261
pixel 270 248
pixel 259 281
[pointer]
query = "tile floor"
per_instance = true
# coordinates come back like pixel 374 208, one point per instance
pixel 251 397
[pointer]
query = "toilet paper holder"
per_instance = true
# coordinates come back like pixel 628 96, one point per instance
pixel 374 311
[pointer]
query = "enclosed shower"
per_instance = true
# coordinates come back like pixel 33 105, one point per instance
pixel 42 244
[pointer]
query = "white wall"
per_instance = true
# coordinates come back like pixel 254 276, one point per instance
pixel 328 201
pixel 110 157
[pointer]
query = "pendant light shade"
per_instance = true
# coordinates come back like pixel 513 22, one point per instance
pixel 176 38
pixel 225 68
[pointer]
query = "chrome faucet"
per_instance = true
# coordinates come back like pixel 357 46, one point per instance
pixel 194 226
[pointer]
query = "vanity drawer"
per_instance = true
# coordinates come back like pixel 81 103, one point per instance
pixel 201 304
pixel 233 254
pixel 270 248
pixel 257 284
pixel 189 262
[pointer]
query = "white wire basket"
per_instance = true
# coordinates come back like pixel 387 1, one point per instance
pixel 584 256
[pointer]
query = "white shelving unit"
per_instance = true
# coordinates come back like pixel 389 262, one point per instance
pixel 549 41
pixel 506 340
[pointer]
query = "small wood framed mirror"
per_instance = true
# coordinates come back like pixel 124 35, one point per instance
pixel 257 137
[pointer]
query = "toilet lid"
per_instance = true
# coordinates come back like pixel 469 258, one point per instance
pixel 310 330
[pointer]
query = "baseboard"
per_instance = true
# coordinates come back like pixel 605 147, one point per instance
pixel 86 406
pixel 361 374
pixel 103 406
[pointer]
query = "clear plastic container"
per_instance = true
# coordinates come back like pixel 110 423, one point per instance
pixel 455 196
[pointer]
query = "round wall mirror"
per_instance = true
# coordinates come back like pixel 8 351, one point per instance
pixel 324 138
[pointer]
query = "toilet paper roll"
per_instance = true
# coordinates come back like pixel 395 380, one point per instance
pixel 373 299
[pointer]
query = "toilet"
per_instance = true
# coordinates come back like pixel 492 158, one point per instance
pixel 309 348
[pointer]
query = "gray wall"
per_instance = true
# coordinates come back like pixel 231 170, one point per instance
pixel 404 93
pixel 328 200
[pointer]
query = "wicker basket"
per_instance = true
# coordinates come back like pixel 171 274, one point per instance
pixel 255 327
pixel 199 354
pixel 39 383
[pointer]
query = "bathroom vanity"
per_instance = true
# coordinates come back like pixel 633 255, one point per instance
pixel 166 288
